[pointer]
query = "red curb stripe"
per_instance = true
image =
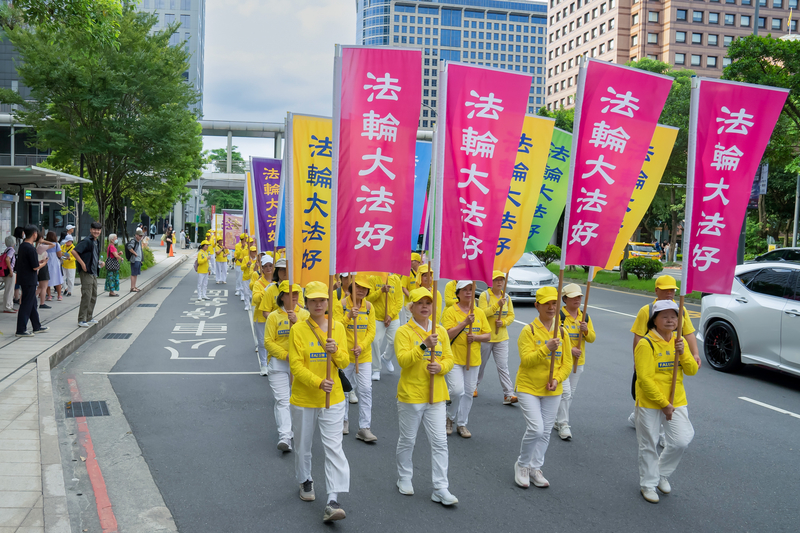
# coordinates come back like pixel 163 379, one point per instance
pixel 108 522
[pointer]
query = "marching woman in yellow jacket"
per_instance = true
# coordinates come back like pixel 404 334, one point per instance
pixel 238 250
pixel 425 279
pixel 655 360
pixel 464 329
pixel 413 344
pixel 387 321
pixel 409 283
pixel 491 301
pixel 202 272
pixel 358 315
pixel 580 330
pixel 268 300
pixel 276 340
pixel 307 360
pixel 259 320
pixel 539 397
pixel 221 262
pixel 250 264
pixel 450 297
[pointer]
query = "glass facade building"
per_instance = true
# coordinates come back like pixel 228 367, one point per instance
pixel 505 35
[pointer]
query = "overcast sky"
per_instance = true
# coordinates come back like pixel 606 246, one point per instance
pixel 266 57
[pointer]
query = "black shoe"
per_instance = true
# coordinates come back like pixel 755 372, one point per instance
pixel 25 334
pixel 41 329
pixel 45 306
pixel 333 511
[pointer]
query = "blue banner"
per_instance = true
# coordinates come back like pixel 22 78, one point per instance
pixel 422 168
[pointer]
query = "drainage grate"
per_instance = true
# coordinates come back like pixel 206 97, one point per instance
pixel 147 305
pixel 164 287
pixel 78 409
pixel 117 336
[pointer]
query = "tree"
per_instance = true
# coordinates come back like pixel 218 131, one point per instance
pixel 97 18
pixel 221 154
pixel 126 110
pixel 564 117
pixel 224 199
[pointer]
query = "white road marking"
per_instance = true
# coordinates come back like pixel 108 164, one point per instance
pixel 592 307
pixel 171 373
pixel 768 406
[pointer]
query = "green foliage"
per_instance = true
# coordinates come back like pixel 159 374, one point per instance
pixel 564 117
pixel 125 108
pixel 148 259
pixel 754 241
pixel 224 199
pixel 604 277
pixel 550 254
pixel 204 228
pixel 98 19
pixel 642 267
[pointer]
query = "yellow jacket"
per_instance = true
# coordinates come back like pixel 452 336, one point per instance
pixel 452 317
pixel 69 259
pixel 573 327
pixel 268 301
pixel 410 281
pixel 450 297
pixel 414 383
pixel 276 333
pixel 247 266
pixel 237 254
pixel 640 324
pixel 366 328
pixel 258 292
pixel 202 262
pixel 221 253
pixel 378 299
pixel 534 366
pixel 488 303
pixel 254 276
pixel 654 371
pixel 308 362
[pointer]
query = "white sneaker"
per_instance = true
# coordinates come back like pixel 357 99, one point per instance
pixel 444 497
pixel 346 427
pixel 522 475
pixel 556 426
pixel 389 365
pixel 564 432
pixel 93 321
pixel 353 397
pixel 663 485
pixel 376 376
pixel 285 446
pixel 84 325
pixel 405 487
pixel 264 371
pixel 650 495
pixel 237 293
pixel 632 420
pixel 538 479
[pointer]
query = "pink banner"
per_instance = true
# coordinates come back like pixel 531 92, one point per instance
pixel 618 115
pixel 483 115
pixel 381 91
pixel 732 127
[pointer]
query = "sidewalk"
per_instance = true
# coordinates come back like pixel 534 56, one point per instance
pixel 32 494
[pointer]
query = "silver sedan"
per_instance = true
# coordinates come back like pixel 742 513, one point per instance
pixel 525 278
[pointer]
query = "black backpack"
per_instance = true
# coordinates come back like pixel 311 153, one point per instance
pixel 129 248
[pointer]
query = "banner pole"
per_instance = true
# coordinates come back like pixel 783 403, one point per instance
pixel 585 307
pixel 694 111
pixel 471 312
pixel 677 361
pixel 434 329
pixel 355 324
pixel 330 335
pixel 502 295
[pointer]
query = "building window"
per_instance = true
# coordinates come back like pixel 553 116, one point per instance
pixel 726 61
pixel 681 15
pixel 602 28
pixel 634 40
pixel 652 16
pixel 186 21
pixel 697 16
pixel 727 40
pixel 611 24
pixel 711 61
pixel 712 40
pixel 730 20
pixel 652 38
pixel 713 18
pixel 777 24
pixel 602 9
pixel 680 59
pixel 744 21
pixel 186 5
pixel 610 45
pixel 762 22
pixel 169 18
pixel 697 38
pixel 602 49
pixel 696 60
pixel 680 36
pixel 451 17
pixel 793 4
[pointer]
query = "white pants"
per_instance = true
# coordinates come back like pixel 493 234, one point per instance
pixel 202 285
pixel 383 333
pixel 462 385
pixel 305 421
pixel 237 275
pixel 69 279
pixel 498 350
pixel 540 414
pixel 281 387
pixel 221 271
pixel 362 384
pixel 679 433
pixel 569 386
pixel 259 328
pixel 409 416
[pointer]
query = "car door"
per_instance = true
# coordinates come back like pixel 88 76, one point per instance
pixel 758 313
pixel 790 328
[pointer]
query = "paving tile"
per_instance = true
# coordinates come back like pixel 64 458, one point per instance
pixel 20 457
pixel 21 483
pixel 17 434
pixel 39 529
pixel 12 517
pixel 35 519
pixel 12 412
pixel 19 498
pixel 21 469
pixel 18 444
pixel 22 425
pixel 17 401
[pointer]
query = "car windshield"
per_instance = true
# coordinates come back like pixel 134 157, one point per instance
pixel 528 261
pixel 775 255
pixel 639 248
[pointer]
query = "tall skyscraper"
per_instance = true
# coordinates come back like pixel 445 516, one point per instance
pixel 497 33
pixel 192 16
pixel 692 34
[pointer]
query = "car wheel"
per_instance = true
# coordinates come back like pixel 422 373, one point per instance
pixel 721 346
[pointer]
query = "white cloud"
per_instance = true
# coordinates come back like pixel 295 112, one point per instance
pixel 266 57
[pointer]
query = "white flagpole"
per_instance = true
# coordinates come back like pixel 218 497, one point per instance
pixel 255 207
pixel 281 196
pixel 288 147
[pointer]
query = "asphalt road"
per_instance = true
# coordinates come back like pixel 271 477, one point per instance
pixel 209 441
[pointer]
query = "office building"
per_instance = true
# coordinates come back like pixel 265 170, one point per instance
pixel 192 15
pixel 691 34
pixel 507 35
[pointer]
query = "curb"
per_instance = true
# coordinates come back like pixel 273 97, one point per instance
pixel 56 512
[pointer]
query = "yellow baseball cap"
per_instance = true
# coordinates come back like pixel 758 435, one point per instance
pixel 666 283
pixel 363 281
pixel 498 274
pixel 284 286
pixel 253 249
pixel 571 290
pixel 416 257
pixel 546 294
pixel 419 293
pixel 316 289
pixel 423 269
pixel 243 236
pixel 204 243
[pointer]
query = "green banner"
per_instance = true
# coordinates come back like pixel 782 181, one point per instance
pixel 553 195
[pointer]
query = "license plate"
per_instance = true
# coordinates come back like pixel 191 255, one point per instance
pixel 533 293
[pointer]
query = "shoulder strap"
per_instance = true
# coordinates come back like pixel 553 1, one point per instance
pixel 532 332
pixel 563 316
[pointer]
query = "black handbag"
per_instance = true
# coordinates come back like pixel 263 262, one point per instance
pixel 112 264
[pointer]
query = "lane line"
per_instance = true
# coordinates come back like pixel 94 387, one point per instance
pixel 171 373
pixel 108 522
pixel 768 406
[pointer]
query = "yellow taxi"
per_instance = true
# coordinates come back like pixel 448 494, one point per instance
pixel 640 249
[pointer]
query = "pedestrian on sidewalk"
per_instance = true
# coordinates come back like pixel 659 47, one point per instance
pixel 308 362
pixel 54 255
pixel 202 271
pixel 28 266
pixel 183 240
pixel 113 260
pixel 135 254
pixel 169 238
pixel 87 254
pixel 414 342
pixel 152 231
pixel 42 247
pixel 68 264
pixel 492 301
pixel 8 261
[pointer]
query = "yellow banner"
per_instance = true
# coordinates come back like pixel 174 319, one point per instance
pixel 312 158
pixel 251 219
pixel 645 190
pixel 526 184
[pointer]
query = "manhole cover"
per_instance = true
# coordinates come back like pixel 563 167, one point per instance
pixel 78 409
pixel 147 305
pixel 117 336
